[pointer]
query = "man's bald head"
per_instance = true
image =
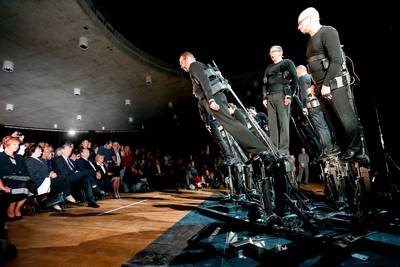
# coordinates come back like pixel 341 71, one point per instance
pixel 308 12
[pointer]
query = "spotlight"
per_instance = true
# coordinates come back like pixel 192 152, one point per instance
pixel 130 119
pixel 77 91
pixel 127 101
pixel 79 117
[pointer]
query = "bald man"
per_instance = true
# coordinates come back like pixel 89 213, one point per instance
pixel 325 63
pixel 216 104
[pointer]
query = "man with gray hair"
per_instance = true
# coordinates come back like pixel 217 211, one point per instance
pixel 280 83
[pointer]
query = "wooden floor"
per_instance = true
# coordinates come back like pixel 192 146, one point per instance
pixel 107 236
pixel 314 188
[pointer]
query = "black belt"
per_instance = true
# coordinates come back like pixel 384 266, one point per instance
pixel 316 57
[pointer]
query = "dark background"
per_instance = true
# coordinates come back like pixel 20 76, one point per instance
pixel 237 36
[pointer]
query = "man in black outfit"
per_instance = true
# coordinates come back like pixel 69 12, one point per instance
pixel 326 66
pixel 280 82
pixel 212 126
pixel 312 108
pixel 215 102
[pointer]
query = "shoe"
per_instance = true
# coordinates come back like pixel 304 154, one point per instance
pixel 57 207
pixel 70 199
pixel 93 205
pixel 99 191
pixel 348 155
pixel 17 218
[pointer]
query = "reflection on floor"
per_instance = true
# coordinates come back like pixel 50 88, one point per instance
pixel 219 233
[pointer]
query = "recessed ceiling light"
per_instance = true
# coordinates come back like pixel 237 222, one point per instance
pixel 149 80
pixel 83 42
pixel 9 107
pixel 8 66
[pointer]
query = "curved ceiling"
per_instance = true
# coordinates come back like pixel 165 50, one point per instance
pixel 42 40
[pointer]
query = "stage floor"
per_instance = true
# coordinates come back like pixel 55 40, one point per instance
pixel 169 228
pixel 107 236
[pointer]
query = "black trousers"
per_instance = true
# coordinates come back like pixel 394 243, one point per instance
pixel 241 133
pixel 215 132
pixel 344 113
pixel 58 185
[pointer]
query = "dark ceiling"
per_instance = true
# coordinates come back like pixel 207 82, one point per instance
pixel 237 35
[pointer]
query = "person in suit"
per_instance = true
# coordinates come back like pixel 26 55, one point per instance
pixel 84 164
pixel 65 167
pixel 40 175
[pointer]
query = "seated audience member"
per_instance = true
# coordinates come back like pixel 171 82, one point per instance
pixel 84 164
pixel 14 177
pixel 260 117
pixel 107 178
pixel 47 156
pixel 43 180
pixel 137 181
pixel 65 167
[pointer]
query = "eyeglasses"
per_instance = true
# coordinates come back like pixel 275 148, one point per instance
pixel 301 21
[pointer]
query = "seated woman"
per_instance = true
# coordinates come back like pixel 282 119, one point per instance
pixel 12 167
pixel 41 176
pixel 106 178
